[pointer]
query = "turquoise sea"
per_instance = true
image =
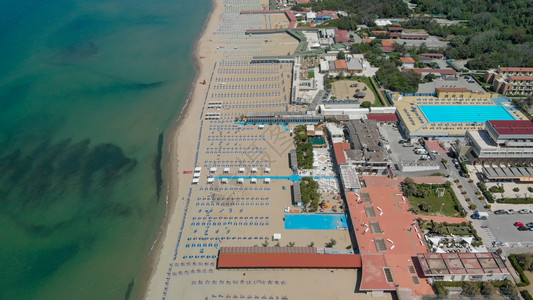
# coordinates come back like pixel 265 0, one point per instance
pixel 88 92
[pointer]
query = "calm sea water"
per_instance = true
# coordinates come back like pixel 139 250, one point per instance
pixel 87 88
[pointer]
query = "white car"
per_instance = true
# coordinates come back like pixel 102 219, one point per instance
pixel 524 211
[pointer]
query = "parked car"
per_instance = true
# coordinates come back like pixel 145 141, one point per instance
pixel 500 212
pixel 530 224
pixel 523 228
pixel 519 224
pixel 510 211
pixel 524 211
pixel 498 243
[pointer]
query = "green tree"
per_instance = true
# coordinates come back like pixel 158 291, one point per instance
pixel 366 104
pixel 487 289
pixel 470 289
pixel 341 55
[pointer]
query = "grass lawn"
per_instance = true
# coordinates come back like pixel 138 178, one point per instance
pixel 436 202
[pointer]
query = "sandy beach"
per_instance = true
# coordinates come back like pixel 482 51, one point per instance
pixel 212 213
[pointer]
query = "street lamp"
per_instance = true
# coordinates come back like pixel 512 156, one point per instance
pixel 441 206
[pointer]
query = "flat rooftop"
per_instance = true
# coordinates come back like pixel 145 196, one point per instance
pixel 435 264
pixel 388 236
pixel 284 258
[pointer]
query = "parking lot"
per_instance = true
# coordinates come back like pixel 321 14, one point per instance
pixel 399 152
pixel 502 229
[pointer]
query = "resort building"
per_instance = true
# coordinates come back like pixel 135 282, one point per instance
pixel 407 62
pixel 447 74
pixel 366 152
pixel 483 266
pixel 510 80
pixel 501 142
pixel 451 112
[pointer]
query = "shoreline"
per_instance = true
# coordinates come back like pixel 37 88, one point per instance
pixel 150 276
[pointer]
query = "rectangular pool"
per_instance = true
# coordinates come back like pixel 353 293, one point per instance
pixel 316 221
pixel 465 113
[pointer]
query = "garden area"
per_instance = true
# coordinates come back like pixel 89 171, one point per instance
pixel 472 289
pixel 523 264
pixel 304 148
pixel 445 228
pixel 310 195
pixel 426 200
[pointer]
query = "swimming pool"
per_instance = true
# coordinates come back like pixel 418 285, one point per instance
pixel 315 221
pixel 465 113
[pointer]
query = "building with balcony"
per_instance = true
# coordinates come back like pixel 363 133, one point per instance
pixel 511 80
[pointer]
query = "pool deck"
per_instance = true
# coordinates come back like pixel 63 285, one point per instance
pixel 416 123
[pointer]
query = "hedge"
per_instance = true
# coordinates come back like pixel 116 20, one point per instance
pixel 516 265
pixel 526 295
pixel 486 193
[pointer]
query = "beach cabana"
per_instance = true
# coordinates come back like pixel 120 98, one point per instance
pixel 196 175
pixel 241 170
pixel 198 169
pixel 226 170
pixel 254 170
pixel 276 237
pixel 240 180
pixel 210 180
pixel 213 170
pixel 224 180
pixel 267 170
pixel 254 180
pixel 267 180
pixel 195 180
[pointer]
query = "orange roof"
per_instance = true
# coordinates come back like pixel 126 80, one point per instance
pixel 379 31
pixel 388 43
pixel 339 152
pixel 452 90
pixel 515 69
pixel 366 41
pixel 407 60
pixel 521 77
pixel 340 64
pixel 288 260
pixel 399 235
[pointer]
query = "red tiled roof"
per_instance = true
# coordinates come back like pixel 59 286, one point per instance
pixel 373 275
pixel 512 127
pixel 378 32
pixel 288 260
pixel 387 43
pixel 340 64
pixel 387 48
pixel 366 41
pixel 341 35
pixel 407 60
pixel 339 152
pixel 395 34
pixel 435 146
pixel 515 69
pixel 395 28
pixel 452 90
pixel 383 117
pixel 432 54
pixel 521 77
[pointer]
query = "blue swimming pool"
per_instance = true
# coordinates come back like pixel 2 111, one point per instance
pixel 465 113
pixel 316 221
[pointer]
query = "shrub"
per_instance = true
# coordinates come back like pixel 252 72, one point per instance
pixel 488 206
pixel 460 186
pixel 516 189
pixel 470 289
pixel 530 189
pixel 473 206
pixel 366 104
pixel 456 181
pixel 487 289
pixel 518 268
pixel 463 192
pixel 478 193
pixel 526 295
pixel 468 199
